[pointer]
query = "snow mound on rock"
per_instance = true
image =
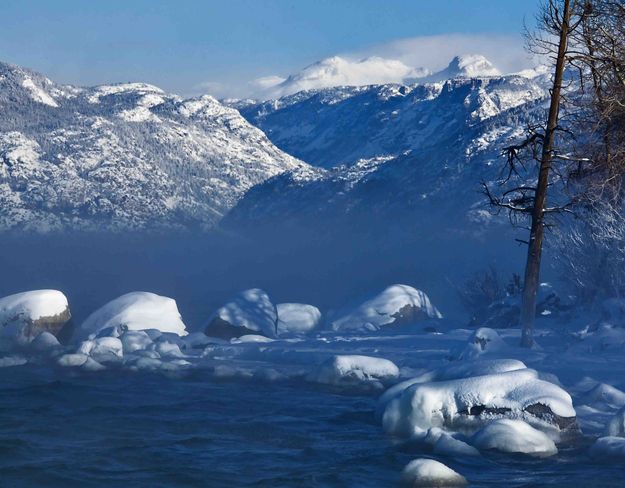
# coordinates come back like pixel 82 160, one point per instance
pixel 136 311
pixel 467 404
pixel 25 315
pixel 250 312
pixel 297 318
pixel 508 435
pixel 396 305
pixel 430 473
pixel 350 370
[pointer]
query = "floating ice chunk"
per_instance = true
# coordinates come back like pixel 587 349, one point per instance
pixel 250 338
pixel 396 305
pixel 608 448
pixel 147 364
pixel 135 340
pixel 430 473
pixel 250 311
pixel 24 316
pixel 9 361
pixel 467 404
pixel 297 318
pixel 137 311
pixel 73 360
pixel 341 370
pixel 508 435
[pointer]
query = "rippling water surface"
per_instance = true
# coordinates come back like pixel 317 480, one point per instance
pixel 123 429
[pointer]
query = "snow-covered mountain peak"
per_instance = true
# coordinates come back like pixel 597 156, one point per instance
pixel 465 66
pixel 32 86
pixel 339 71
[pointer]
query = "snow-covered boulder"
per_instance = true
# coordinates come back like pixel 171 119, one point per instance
pixel 24 316
pixel 396 305
pixel 467 404
pixel 507 435
pixel 250 312
pixel 430 473
pixel 354 370
pixel 135 311
pixel 297 319
pixel 482 341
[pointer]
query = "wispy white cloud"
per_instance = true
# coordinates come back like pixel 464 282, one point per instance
pixel 507 52
pixel 392 62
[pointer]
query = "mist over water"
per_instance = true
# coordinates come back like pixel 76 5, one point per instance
pixel 327 267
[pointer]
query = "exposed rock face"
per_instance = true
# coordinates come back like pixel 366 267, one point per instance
pixel 24 316
pixel 250 312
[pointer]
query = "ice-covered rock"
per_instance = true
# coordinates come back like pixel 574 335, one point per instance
pixel 250 312
pixel 167 349
pixel 608 449
pixel 73 360
pixel 430 473
pixel 604 396
pixel 353 370
pixel 136 311
pixel 250 338
pixel 616 426
pixel 507 435
pixel 445 444
pixel 297 319
pixel 396 305
pixel 45 342
pixel 24 316
pixel 467 404
pixel 8 361
pixel 135 340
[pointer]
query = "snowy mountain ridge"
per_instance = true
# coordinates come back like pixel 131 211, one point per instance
pixel 392 149
pixel 122 156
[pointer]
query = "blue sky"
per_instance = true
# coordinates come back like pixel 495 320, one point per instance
pixel 222 44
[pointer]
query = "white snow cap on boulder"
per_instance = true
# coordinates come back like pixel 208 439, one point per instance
pixel 507 435
pixel 396 305
pixel 353 369
pixel 25 315
pixel 139 310
pixel 250 312
pixel 430 473
pixel 469 403
pixel 297 318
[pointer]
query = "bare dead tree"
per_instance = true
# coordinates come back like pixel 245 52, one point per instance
pixel 527 202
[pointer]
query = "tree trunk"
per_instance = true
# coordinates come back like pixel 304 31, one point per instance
pixel 537 231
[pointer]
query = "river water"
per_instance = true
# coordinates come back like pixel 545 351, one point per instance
pixel 147 430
